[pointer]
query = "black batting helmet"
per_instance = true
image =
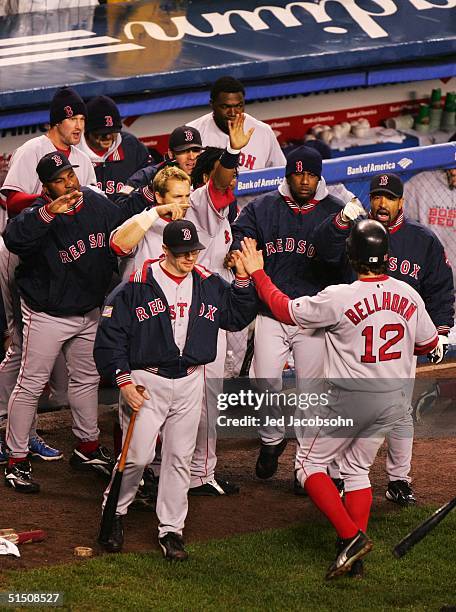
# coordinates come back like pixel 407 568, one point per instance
pixel 368 243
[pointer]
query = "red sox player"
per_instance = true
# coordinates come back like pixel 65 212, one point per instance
pixel 373 328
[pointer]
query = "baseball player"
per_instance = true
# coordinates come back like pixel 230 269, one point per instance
pixel 431 200
pixel 159 330
pixel 417 257
pixel 282 222
pixel 373 328
pixel 227 101
pixel 65 267
pixel 115 154
pixel 209 209
pixel 183 150
pixel 21 187
pixel 338 190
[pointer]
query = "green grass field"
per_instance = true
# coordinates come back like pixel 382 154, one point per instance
pixel 273 570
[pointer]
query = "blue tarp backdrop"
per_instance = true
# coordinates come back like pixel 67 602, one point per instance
pixel 163 47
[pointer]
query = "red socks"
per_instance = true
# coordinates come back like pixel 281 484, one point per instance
pixel 13 460
pixel 88 447
pixel 323 492
pixel 358 504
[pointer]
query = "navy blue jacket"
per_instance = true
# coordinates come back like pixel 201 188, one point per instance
pixel 416 256
pixel 114 173
pixel 285 235
pixel 66 264
pixel 126 342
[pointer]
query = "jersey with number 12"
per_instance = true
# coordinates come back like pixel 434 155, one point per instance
pixel 373 327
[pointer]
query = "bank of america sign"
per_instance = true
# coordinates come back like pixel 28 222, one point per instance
pixel 58 46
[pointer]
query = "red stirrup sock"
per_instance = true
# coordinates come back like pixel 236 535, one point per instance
pixel 358 504
pixel 324 494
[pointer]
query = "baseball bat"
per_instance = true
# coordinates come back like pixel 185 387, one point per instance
pixel 23 537
pixel 109 511
pixel 423 529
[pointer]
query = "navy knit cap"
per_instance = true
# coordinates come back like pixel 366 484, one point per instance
pixel 103 116
pixel 65 104
pixel 304 159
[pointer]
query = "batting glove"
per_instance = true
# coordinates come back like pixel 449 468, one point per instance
pixel 438 353
pixel 352 210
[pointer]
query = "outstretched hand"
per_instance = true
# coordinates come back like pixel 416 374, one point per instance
pixel 174 210
pixel 239 138
pixel 251 259
pixel 238 264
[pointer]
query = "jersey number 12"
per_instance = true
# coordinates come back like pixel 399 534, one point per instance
pixel 383 355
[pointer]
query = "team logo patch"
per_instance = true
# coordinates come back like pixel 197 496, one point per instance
pixel 383 180
pixel 299 166
pixel 107 311
pixel 57 160
pixel 187 235
pixel 188 136
pixel 108 121
pixel 68 111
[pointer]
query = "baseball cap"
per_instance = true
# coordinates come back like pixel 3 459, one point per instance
pixel 304 159
pixel 185 137
pixel 103 116
pixel 387 183
pixel 65 104
pixel 181 236
pixel 51 165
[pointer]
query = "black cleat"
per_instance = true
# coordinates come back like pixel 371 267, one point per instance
pixel 297 489
pixel 146 496
pixel 115 541
pixel 268 459
pixel 357 570
pixel 214 488
pixel 425 403
pixel 99 461
pixel 340 485
pixel 19 477
pixel 172 546
pixel 400 492
pixel 350 550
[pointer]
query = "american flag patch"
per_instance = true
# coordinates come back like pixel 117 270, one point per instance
pixel 107 311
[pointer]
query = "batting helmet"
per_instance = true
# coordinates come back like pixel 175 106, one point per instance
pixel 368 243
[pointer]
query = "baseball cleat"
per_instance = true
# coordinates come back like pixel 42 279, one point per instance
pixel 99 461
pixel 172 546
pixel 297 488
pixel 268 459
pixel 357 570
pixel 350 550
pixel 340 485
pixel 425 403
pixel 40 450
pixel 4 455
pixel 214 488
pixel 146 496
pixel 115 541
pixel 18 476
pixel 400 492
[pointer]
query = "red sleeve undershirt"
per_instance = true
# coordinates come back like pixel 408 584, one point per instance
pixel 269 294
pixel 220 199
pixel 18 200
